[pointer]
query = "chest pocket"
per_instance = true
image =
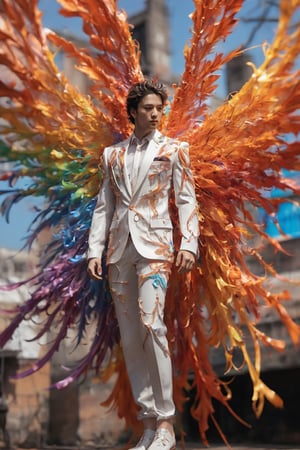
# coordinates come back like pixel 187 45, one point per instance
pixel 160 174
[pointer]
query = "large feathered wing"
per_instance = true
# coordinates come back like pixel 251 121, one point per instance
pixel 55 135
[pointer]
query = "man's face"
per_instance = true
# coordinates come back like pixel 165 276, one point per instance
pixel 148 114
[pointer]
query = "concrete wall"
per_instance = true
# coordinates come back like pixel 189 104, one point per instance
pixel 34 414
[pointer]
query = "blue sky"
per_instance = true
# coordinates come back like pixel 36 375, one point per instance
pixel 179 21
pixel 180 25
pixel 11 234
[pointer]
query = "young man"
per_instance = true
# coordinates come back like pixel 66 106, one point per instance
pixel 132 211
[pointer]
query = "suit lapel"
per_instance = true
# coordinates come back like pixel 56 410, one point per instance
pixel 119 170
pixel 127 183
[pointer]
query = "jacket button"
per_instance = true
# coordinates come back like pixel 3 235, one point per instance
pixel 136 218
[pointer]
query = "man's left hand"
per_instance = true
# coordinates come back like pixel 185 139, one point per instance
pixel 185 261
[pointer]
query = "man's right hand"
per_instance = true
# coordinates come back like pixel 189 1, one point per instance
pixel 94 268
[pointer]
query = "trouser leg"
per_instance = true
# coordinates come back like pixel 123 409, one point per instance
pixel 138 288
pixel 124 289
pixel 154 335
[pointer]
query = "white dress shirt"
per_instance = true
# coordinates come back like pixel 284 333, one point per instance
pixel 135 154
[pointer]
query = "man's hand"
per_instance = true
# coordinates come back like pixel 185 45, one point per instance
pixel 94 268
pixel 185 261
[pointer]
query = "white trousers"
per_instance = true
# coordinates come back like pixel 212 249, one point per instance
pixel 138 286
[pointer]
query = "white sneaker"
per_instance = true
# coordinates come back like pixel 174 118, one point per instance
pixel 145 441
pixel 163 440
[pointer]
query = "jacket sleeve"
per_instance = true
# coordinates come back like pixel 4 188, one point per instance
pixel 102 215
pixel 185 199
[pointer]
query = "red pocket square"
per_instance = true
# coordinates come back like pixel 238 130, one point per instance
pixel 161 158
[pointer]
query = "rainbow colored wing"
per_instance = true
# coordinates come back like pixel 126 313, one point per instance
pixel 54 136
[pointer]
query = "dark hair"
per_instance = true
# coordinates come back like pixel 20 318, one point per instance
pixel 139 90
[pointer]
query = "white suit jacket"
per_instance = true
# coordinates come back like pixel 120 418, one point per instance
pixel 144 212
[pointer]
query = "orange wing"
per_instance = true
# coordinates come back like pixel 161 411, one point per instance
pixel 237 154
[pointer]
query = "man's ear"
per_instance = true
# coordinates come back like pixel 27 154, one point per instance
pixel 133 113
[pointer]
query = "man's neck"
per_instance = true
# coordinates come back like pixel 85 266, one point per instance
pixel 142 134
